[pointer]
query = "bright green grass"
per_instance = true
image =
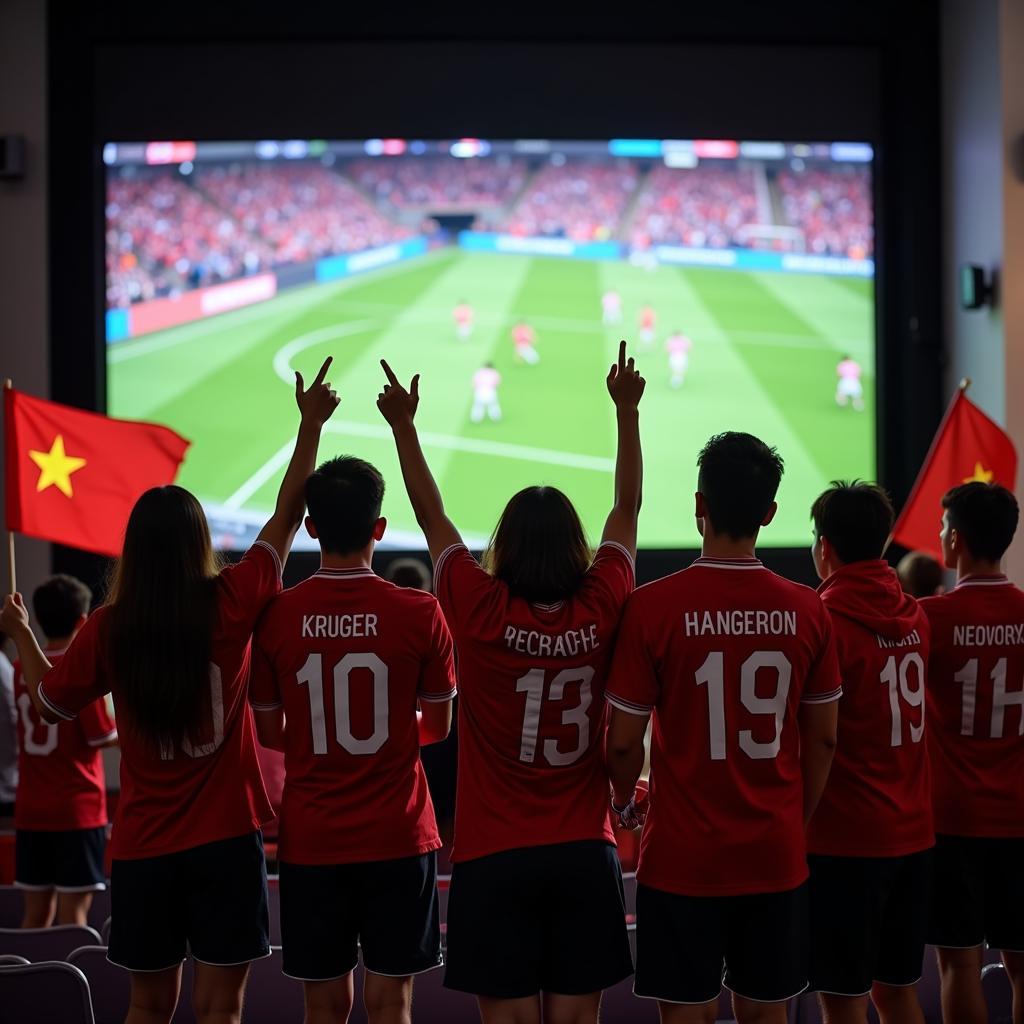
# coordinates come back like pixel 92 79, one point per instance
pixel 764 357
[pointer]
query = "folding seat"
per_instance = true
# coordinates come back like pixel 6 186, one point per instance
pixel 41 993
pixel 38 944
pixel 109 985
pixel 998 993
pixel 12 906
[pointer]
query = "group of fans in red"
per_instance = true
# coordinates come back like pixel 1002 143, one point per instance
pixel 812 820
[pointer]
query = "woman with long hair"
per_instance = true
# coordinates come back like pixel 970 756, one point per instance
pixel 172 646
pixel 536 923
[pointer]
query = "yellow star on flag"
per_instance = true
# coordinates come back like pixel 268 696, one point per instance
pixel 981 474
pixel 56 467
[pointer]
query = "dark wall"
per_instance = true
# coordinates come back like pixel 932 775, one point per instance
pixel 744 70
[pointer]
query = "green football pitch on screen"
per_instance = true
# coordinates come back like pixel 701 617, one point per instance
pixel 764 356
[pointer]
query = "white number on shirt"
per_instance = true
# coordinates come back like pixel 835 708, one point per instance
pixel 31 746
pixel 1001 700
pixel 532 684
pixel 311 673
pixel 712 672
pixel 217 713
pixel 899 684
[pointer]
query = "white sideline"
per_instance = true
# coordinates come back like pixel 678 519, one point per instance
pixel 449 442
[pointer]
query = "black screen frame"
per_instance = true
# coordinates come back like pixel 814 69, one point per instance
pixel 874 77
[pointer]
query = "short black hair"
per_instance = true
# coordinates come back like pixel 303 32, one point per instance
pixel 920 575
pixel 344 496
pixel 408 572
pixel 739 478
pixel 985 515
pixel 59 603
pixel 855 517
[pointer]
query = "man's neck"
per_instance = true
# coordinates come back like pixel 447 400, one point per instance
pixel 968 566
pixel 727 547
pixel 353 560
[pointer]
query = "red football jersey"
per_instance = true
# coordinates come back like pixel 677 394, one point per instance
pixel 531 717
pixel 210 788
pixel 723 653
pixel 347 655
pixel 61 785
pixel 976 708
pixel 878 801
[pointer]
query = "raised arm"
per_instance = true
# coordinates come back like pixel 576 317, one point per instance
pixel 316 405
pixel 398 406
pixel 34 664
pixel 626 387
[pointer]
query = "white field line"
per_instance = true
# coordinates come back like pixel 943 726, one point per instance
pixel 283 356
pixel 449 442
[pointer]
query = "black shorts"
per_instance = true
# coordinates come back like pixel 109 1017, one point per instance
pixel 868 921
pixel 977 893
pixel 687 947
pixel 389 908
pixel 538 919
pixel 70 861
pixel 210 901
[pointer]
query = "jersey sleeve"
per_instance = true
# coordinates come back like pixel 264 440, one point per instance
pixel 467 594
pixel 78 678
pixel 98 727
pixel 610 580
pixel 248 586
pixel 633 679
pixel 824 683
pixel 264 688
pixel 437 676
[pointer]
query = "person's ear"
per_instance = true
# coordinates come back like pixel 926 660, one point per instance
pixel 311 527
pixel 770 514
pixel 80 622
pixel 700 511
pixel 379 527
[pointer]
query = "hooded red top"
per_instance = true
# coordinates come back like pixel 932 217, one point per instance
pixel 877 802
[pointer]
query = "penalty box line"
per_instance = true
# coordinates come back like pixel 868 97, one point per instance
pixel 448 442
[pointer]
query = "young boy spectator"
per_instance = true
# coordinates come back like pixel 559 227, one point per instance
pixel 976 743
pixel 738 668
pixel 339 664
pixel 920 575
pixel 869 842
pixel 60 814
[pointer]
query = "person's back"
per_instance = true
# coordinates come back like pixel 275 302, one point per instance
pixel 735 668
pixel 723 654
pixel 976 742
pixel 340 664
pixel 530 704
pixel 869 842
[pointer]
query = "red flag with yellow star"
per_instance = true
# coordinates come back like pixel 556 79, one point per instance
pixel 73 476
pixel 968 446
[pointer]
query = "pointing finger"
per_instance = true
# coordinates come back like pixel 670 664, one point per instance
pixel 323 370
pixel 622 354
pixel 388 372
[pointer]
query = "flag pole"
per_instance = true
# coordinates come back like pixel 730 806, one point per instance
pixel 965 383
pixel 11 566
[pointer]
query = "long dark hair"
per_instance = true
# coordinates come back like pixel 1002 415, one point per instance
pixel 162 603
pixel 539 547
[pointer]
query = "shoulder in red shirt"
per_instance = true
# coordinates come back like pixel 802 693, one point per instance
pixel 210 789
pixel 723 653
pixel 348 655
pixel 877 802
pixel 976 708
pixel 61 784
pixel 531 714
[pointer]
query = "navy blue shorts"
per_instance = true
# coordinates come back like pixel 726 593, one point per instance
pixel 388 908
pixel 538 919
pixel 70 861
pixel 209 901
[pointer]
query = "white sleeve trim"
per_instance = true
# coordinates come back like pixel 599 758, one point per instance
pixel 442 559
pixel 261 706
pixel 619 547
pixel 50 706
pixel 823 698
pixel 273 554
pixel 102 741
pixel 438 698
pixel 627 706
